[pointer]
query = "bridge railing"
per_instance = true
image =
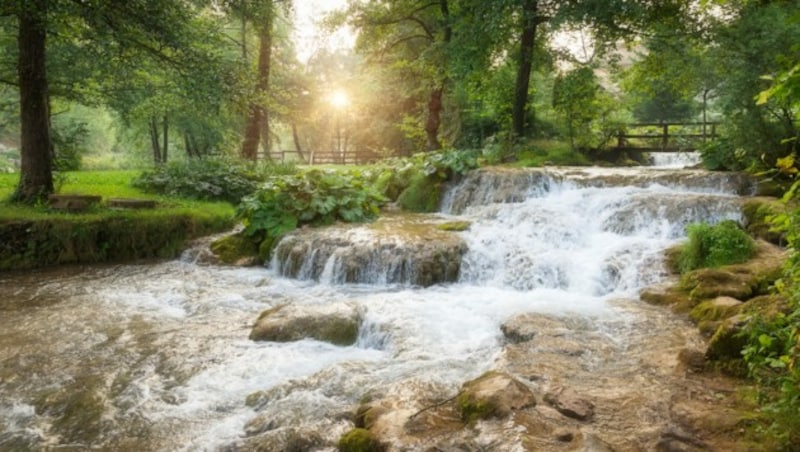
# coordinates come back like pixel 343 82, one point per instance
pixel 666 137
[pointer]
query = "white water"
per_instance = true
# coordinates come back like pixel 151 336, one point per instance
pixel 675 159
pixel 174 336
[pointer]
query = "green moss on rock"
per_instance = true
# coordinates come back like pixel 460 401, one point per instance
pixel 235 249
pixel 492 395
pixel 359 440
pixel 454 226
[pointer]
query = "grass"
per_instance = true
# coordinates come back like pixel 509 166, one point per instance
pixel 108 184
pixel 550 152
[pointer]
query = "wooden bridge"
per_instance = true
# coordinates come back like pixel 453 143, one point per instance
pixel 665 136
pixel 322 158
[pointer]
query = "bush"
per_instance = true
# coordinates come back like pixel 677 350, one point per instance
pixel 715 246
pixel 217 179
pixel 315 197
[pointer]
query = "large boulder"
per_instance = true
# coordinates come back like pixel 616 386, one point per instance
pixel 493 395
pixel 567 402
pixel 334 323
pixel 394 250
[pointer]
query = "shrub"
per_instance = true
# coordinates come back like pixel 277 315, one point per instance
pixel 715 246
pixel 315 197
pixel 208 179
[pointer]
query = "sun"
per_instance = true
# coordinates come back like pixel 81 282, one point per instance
pixel 339 99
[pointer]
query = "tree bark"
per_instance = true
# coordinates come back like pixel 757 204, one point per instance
pixel 36 172
pixel 434 120
pixel 527 44
pixel 297 146
pixel 165 148
pixel 257 128
pixel 155 145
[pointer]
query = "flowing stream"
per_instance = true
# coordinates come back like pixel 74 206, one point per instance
pixel 157 356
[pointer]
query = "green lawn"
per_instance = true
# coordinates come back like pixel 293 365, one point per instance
pixel 108 184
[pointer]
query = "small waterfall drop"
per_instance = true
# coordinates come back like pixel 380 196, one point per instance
pixel 675 160
pixel 160 352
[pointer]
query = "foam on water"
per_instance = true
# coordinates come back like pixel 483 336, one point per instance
pixel 177 332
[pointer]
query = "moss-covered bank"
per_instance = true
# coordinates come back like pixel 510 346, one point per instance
pixel 115 237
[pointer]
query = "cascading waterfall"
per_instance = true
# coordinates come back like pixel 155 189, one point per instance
pixel 161 352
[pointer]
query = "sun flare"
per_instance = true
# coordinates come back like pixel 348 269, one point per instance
pixel 339 99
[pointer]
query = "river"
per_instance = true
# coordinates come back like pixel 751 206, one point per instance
pixel 157 356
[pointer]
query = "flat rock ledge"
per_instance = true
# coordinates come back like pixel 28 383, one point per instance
pixel 337 324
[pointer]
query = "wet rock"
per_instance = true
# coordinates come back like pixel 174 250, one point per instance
pixel 359 440
pixel 286 440
pixel 672 441
pixel 564 436
pixel 388 252
pixel 235 249
pixel 664 295
pixel 493 395
pixel 335 323
pixel 709 314
pixel 567 402
pixel 593 443
pixel 691 359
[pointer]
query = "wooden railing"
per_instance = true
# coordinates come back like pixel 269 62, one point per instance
pixel 663 136
pixel 328 157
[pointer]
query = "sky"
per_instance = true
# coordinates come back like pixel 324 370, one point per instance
pixel 308 36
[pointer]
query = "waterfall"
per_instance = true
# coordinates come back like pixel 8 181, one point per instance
pixel 160 352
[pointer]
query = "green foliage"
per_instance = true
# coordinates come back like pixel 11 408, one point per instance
pixel 550 152
pixel 723 155
pixel 422 194
pixel 715 246
pixel 314 197
pixel 772 352
pixel 208 179
pixel 69 141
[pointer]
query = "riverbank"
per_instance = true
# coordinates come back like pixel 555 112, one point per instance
pixel 40 236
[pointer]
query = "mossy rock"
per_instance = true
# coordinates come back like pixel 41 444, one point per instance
pixel 666 296
pixel 767 306
pixel 757 212
pixel 727 342
pixel 454 226
pixel 708 283
pixel 717 309
pixel 337 325
pixel 236 249
pixel 359 440
pixel 493 395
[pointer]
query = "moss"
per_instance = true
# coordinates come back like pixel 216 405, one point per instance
pixel 454 226
pixel 422 194
pixel 90 239
pixel 473 409
pixel 265 248
pixel 233 248
pixel 359 440
pixel 709 310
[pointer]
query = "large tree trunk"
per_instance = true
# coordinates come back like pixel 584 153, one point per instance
pixel 434 120
pixel 435 105
pixel 36 173
pixel 526 47
pixel 257 129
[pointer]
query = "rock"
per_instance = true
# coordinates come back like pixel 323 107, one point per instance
pixel 678 442
pixel 337 324
pixel 454 226
pixel 664 295
pixel 712 312
pixel 72 203
pixel 359 440
pixel 564 436
pixel 569 404
pixel 284 439
pixel 593 443
pixel 691 359
pixel 235 249
pixel 493 395
pixel 707 283
pixel 726 343
pixel 391 251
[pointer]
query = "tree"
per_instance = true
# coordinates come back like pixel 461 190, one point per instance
pixel 36 177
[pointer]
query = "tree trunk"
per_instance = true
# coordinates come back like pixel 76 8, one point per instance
pixel 296 139
pixel 526 47
pixel 36 173
pixel 165 148
pixel 257 129
pixel 434 120
pixel 154 140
